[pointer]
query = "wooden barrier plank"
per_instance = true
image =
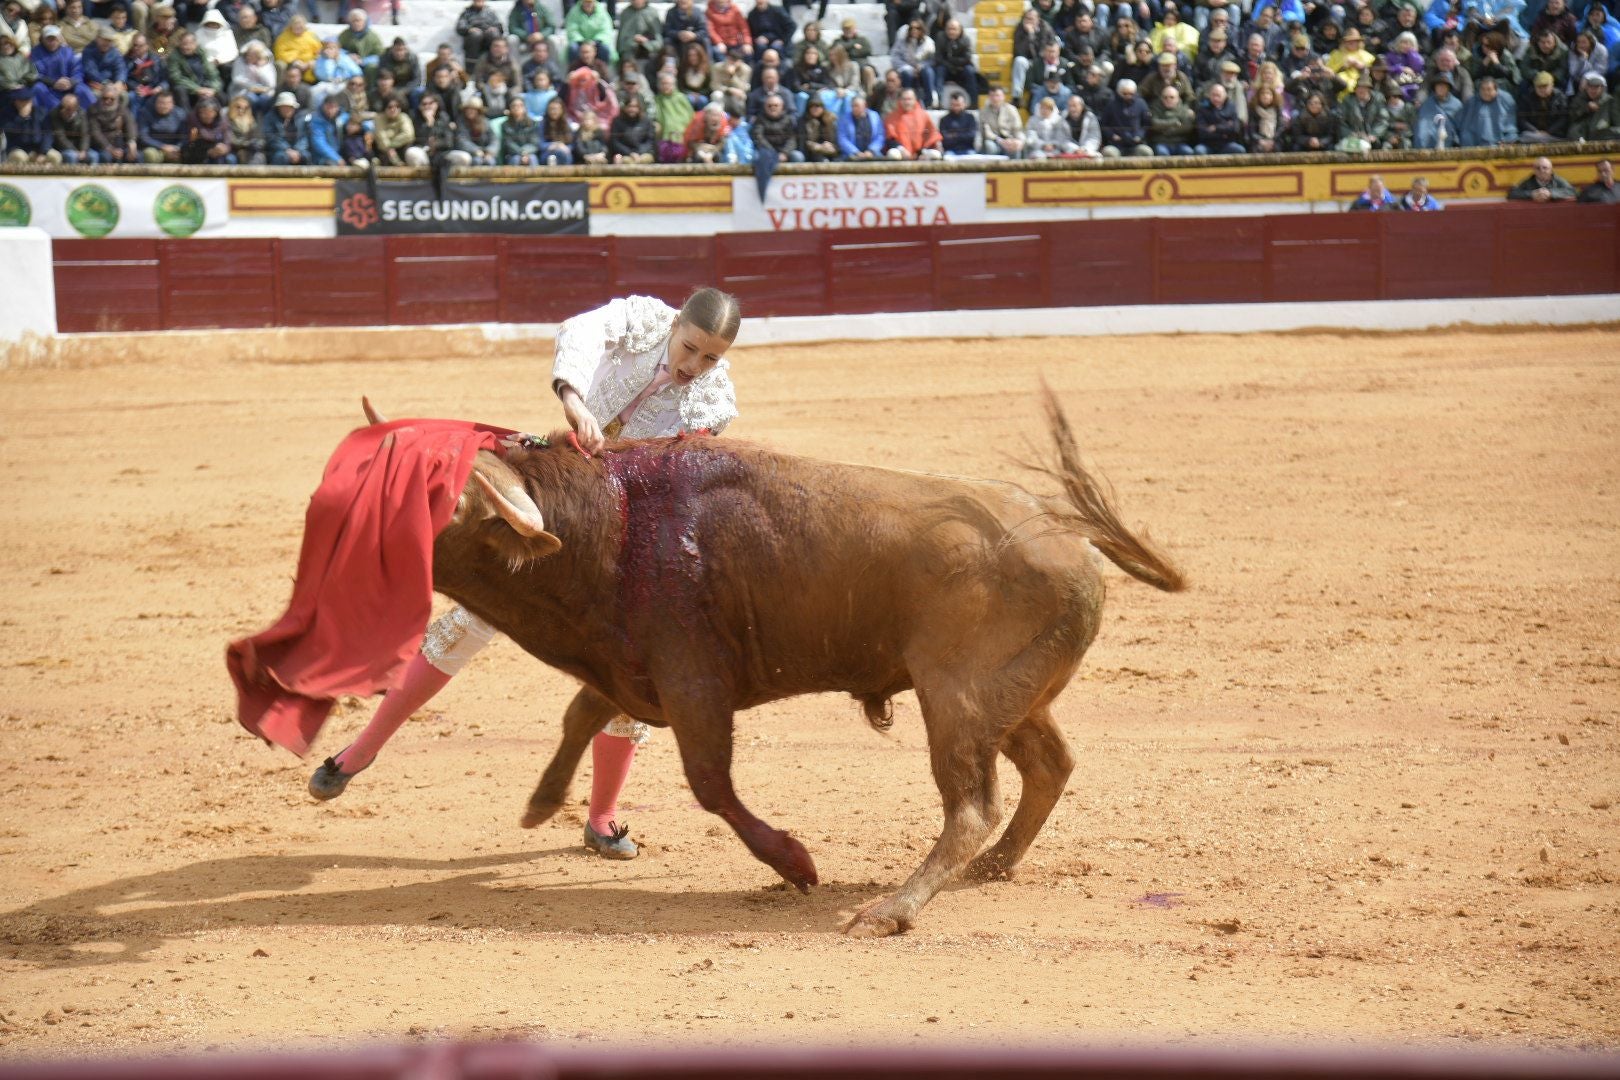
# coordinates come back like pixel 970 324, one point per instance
pixel 668 267
pixel 1314 257
pixel 334 282
pixel 989 267
pixel 107 285
pixel 1099 263
pixel 551 278
pixel 1559 250
pixel 1205 261
pixel 892 270
pixel 442 279
pixel 1433 256
pixel 218 283
pixel 779 273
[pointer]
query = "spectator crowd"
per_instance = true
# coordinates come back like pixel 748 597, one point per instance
pixel 249 82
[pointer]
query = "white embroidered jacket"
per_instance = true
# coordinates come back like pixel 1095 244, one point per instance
pixel 610 355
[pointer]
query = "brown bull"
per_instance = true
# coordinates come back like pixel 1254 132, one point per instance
pixel 684 579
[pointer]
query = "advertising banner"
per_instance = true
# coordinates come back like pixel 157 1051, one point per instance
pixel 412 207
pixel 71 207
pixel 870 201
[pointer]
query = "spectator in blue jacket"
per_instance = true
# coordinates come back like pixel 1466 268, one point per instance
pixel 1437 116
pixel 27 131
pixel 1487 118
pixel 60 71
pixel 162 130
pixel 326 132
pixel 286 132
pixel 860 134
pixel 102 62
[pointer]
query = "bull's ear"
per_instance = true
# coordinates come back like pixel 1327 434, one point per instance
pixel 503 492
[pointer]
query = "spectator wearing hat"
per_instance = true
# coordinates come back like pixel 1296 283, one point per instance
pixel 1376 198
pixel 103 63
pixel 27 131
pixel 1489 118
pixel 1126 123
pixel 1229 77
pixel 861 134
pixel 1350 62
pixel 1215 50
pixel 1052 87
pixel 1592 112
pixel 60 71
pixel 854 42
pixel 286 132
pixel 1542 186
pixel 1436 126
pixel 1363 120
pixel 1603 189
pixel 1166 73
pixel 912 135
pixel 1417 197
pixel 112 127
pixel 1216 127
pixel 1543 111
pixel 641 32
pixel 161 131
pixel 298 43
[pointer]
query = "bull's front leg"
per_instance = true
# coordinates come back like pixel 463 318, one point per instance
pixel 585 716
pixel 703 733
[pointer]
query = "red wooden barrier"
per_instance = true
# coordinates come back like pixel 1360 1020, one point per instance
pixel 1501 250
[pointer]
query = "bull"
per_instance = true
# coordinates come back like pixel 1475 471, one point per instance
pixel 680 580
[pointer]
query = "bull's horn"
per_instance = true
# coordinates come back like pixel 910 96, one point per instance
pixel 519 511
pixel 372 415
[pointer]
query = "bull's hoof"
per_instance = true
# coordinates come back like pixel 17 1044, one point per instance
pixel 871 922
pixel 989 867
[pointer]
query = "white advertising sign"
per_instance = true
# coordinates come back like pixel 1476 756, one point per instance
pixel 871 201
pixel 92 207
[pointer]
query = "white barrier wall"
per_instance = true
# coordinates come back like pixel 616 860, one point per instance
pixel 27 287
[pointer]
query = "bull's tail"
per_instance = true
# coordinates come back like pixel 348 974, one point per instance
pixel 1095 514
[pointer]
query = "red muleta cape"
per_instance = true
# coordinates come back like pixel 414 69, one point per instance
pixel 364 590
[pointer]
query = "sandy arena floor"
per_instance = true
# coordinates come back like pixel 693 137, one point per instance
pixel 1360 783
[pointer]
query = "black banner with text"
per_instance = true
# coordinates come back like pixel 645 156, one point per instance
pixel 412 207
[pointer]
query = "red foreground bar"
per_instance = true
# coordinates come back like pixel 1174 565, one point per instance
pixel 1500 250
pixel 530 1061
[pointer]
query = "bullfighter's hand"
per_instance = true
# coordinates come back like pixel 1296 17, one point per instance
pixel 581 420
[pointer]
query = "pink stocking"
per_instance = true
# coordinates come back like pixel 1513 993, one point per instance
pixel 611 756
pixel 422 680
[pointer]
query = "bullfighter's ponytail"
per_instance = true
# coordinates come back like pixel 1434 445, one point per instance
pixel 713 312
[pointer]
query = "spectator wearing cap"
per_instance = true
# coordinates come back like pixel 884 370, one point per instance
pixel 912 135
pixel 27 131
pixel 1166 73
pixel 161 130
pixel 1350 62
pixel 1052 87
pixel 253 76
pixel 1363 120
pixel 1126 123
pixel 1217 129
pixel 1436 126
pixel 958 129
pixel 112 127
pixel 60 71
pixel 1229 78
pixel 1592 111
pixel 1001 130
pixel 1488 118
pixel 1603 189
pixel 250 28
pixel 1215 50
pixel 641 32
pixel 1542 186
pixel 1376 198
pixel 1418 199
pixel 861 133
pixel 298 43
pixel 102 62
pixel 286 132
pixel 1543 111
pixel 1171 28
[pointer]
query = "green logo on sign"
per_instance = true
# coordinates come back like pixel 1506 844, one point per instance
pixel 92 210
pixel 179 211
pixel 14 208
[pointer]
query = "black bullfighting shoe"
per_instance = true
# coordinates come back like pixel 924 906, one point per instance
pixel 615 845
pixel 329 780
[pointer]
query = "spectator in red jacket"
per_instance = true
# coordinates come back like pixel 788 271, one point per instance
pixel 912 134
pixel 728 29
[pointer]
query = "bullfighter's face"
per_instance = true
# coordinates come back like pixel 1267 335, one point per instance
pixel 693 352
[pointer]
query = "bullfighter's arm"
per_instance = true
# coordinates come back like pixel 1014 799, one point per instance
pixel 711 401
pixel 635 324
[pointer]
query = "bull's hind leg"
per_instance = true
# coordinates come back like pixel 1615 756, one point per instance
pixel 585 716
pixel 1037 747
pixel 962 744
